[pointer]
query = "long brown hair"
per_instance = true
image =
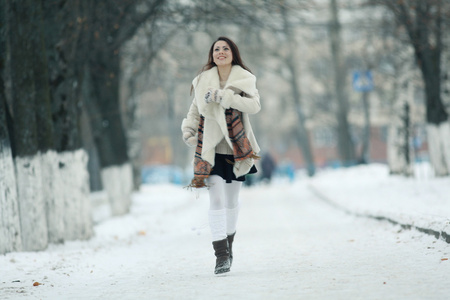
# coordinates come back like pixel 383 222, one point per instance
pixel 237 60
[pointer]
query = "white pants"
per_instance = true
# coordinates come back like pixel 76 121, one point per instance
pixel 223 206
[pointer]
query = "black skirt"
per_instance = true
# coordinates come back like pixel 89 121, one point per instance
pixel 224 168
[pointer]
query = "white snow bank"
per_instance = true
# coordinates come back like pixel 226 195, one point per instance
pixel 423 201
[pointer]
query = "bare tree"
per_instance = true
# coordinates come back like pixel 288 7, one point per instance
pixel 423 21
pixel 24 41
pixel 112 24
pixel 68 207
pixel 346 148
pixel 399 152
pixel 10 237
pixel 52 186
pixel 138 55
pixel 293 67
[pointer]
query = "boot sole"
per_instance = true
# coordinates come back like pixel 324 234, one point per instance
pixel 221 271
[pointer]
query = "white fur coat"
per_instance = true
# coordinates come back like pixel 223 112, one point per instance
pixel 215 127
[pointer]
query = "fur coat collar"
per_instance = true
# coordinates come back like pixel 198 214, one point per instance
pixel 239 80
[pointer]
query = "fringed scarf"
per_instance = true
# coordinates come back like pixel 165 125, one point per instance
pixel 242 149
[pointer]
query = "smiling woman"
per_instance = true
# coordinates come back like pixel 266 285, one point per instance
pixel 233 51
pixel 222 56
pixel 217 124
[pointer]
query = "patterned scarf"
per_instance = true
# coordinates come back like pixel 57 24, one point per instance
pixel 242 148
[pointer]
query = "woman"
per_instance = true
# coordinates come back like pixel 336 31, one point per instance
pixel 218 125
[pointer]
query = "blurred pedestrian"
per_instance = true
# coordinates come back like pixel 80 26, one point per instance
pixel 218 125
pixel 268 167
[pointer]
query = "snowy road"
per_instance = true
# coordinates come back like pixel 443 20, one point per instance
pixel 289 245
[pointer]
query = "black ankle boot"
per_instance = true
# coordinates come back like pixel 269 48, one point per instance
pixel 230 239
pixel 222 256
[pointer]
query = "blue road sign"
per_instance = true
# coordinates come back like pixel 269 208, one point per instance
pixel 362 81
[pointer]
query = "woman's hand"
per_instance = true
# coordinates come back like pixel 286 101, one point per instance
pixel 190 137
pixel 213 95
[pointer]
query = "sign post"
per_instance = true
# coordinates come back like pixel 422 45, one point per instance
pixel 363 82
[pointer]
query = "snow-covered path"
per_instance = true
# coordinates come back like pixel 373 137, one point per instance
pixel 289 245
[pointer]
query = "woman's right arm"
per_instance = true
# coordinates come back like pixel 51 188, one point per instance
pixel 189 126
pixel 192 119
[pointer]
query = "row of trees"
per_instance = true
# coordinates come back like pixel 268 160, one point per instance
pixel 60 60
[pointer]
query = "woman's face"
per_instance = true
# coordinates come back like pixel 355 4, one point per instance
pixel 222 54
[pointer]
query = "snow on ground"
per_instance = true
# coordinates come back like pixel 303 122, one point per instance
pixel 421 201
pixel 290 244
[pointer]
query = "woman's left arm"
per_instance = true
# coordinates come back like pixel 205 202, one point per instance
pixel 244 103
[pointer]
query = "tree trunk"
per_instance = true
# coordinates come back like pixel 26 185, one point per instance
pixel 10 236
pixel 87 132
pixel 436 115
pixel 109 32
pixel 109 131
pixel 73 183
pixel 439 147
pixel 54 207
pixel 399 150
pixel 68 211
pixel 301 132
pixel 346 147
pixel 429 59
pixel 134 135
pixel 28 161
pixel 423 21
